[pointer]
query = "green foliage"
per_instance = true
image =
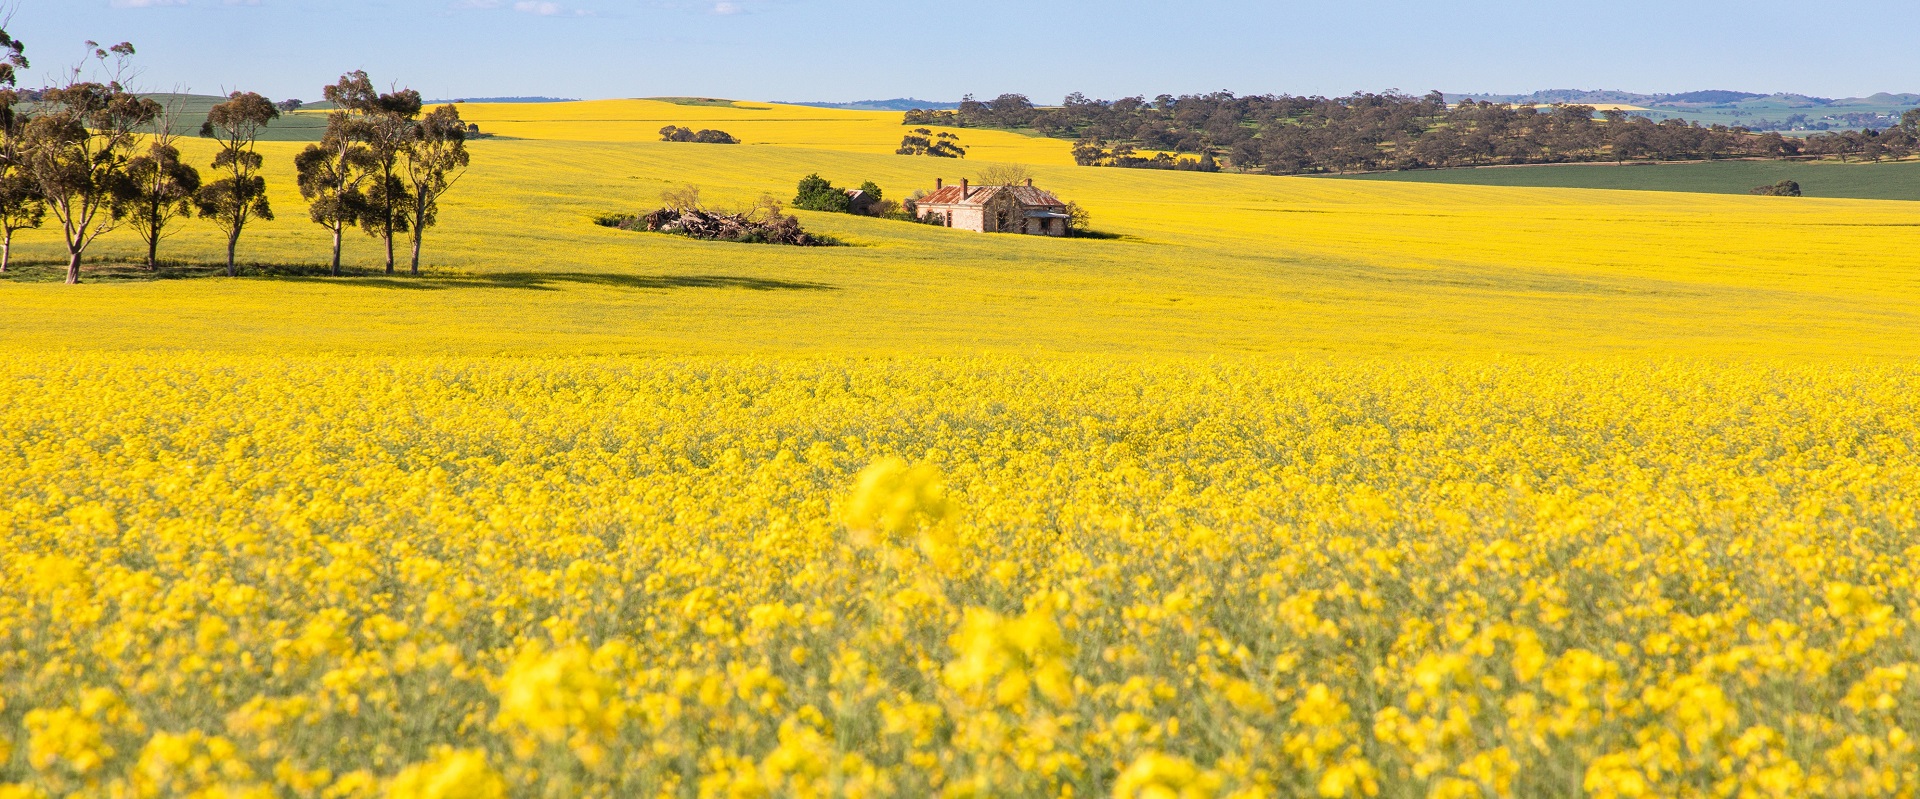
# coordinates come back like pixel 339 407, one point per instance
pixel 923 141
pixel 159 189
pixel 1078 220
pixel 816 194
pixel 1785 188
pixel 241 194
pixel 676 133
pixel 1882 181
pixel 697 102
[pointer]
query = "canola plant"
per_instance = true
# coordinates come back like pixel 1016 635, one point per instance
pixel 463 576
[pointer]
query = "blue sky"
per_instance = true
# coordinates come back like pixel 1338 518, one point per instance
pixel 861 49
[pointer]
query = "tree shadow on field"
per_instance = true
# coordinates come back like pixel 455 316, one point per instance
pixel 47 271
pixel 553 281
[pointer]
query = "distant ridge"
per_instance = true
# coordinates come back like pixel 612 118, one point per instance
pixel 1699 99
pixel 510 100
pixel 896 104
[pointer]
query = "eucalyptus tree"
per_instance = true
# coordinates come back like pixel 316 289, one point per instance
pixel 160 187
pixel 21 206
pixel 240 195
pixel 436 159
pixel 76 152
pixel 389 134
pixel 331 172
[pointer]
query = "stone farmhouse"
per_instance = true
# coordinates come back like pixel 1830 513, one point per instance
pixel 995 209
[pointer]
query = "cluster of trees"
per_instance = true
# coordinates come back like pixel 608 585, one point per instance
pixel 95 157
pixel 1096 153
pixel 922 141
pixel 1866 121
pixel 1285 134
pixel 675 133
pixel 1900 141
pixel 382 165
pixel 75 153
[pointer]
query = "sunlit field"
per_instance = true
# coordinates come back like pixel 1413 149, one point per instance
pixel 1281 487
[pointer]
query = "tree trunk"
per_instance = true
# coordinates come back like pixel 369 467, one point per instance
pixel 389 238
pixel 6 251
pixel 233 243
pixel 73 265
pixel 153 252
pixel 418 234
pixel 336 249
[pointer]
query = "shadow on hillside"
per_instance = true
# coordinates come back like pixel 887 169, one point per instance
pixel 552 281
pixel 51 271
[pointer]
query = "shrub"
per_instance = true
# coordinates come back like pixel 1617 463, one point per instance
pixel 817 194
pixel 676 133
pixel 1785 188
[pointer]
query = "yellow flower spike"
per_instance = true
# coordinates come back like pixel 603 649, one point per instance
pixel 557 697
pixel 891 497
pixel 1161 776
pixel 451 774
pixel 1014 656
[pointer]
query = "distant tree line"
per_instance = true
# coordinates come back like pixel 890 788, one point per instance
pixel 1285 134
pixel 95 157
pixel 1803 122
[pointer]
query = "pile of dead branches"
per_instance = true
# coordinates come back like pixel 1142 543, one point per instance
pixel 765 223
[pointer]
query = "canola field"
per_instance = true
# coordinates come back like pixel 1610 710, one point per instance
pixel 1289 488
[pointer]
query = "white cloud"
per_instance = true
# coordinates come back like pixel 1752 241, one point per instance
pixel 173 3
pixel 546 8
pixel 718 8
pixel 478 4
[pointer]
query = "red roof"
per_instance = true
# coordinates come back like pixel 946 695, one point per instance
pixel 978 195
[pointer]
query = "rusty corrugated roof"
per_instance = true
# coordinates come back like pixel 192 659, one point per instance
pixel 1025 195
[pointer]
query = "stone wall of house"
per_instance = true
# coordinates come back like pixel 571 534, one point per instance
pixel 986 219
pixel 973 219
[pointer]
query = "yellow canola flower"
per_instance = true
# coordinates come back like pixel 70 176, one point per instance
pixel 451 774
pixel 194 764
pixel 558 697
pixel 65 737
pixel 1005 659
pixel 612 576
pixel 892 497
pixel 1159 776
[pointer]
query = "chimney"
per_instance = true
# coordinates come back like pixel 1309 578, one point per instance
pixel 1029 183
pixel 965 190
pixel 939 184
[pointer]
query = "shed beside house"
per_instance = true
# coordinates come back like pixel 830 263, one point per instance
pixel 995 209
pixel 862 203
